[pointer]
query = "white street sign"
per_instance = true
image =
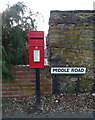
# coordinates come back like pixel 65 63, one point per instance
pixel 68 70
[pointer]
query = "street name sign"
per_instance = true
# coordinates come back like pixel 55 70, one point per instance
pixel 68 70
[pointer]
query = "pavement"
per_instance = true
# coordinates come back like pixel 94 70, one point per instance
pixel 56 115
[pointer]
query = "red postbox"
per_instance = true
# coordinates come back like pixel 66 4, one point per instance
pixel 36 49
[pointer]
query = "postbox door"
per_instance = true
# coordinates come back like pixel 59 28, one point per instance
pixel 36 57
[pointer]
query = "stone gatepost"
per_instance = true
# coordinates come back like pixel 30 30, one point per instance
pixel 70 43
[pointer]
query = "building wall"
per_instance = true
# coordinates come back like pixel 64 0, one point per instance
pixel 70 43
pixel 24 82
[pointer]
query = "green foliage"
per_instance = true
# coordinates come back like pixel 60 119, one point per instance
pixel 17 20
pixel 6 100
pixel 6 65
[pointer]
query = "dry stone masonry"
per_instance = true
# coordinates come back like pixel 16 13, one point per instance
pixel 70 43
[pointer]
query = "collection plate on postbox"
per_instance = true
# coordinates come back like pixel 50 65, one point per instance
pixel 36 49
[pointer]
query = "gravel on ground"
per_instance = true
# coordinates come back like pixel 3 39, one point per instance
pixel 49 104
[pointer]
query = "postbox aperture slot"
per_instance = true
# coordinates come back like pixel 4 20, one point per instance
pixel 36 38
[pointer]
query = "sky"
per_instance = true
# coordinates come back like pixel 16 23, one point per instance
pixel 45 6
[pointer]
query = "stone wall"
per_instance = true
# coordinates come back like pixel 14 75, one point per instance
pixel 24 83
pixel 70 43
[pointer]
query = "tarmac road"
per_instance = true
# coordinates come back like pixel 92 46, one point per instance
pixel 57 115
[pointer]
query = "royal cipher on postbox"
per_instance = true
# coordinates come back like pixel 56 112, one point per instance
pixel 36 49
